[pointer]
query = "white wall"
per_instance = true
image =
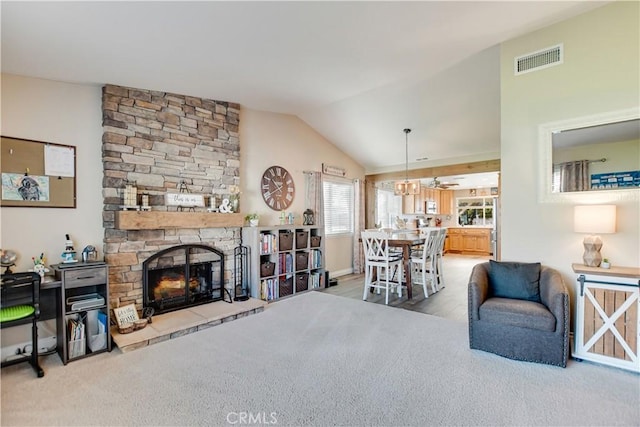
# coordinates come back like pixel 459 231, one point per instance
pixel 49 111
pixel 599 74
pixel 279 139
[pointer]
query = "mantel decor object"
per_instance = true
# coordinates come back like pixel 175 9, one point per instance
pixel 308 217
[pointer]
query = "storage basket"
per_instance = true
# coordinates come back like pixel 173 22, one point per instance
pixel 267 268
pixel 315 241
pixel 302 282
pixel 302 260
pixel 286 287
pixel 301 239
pixel 286 241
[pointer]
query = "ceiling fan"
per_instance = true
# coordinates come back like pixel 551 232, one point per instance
pixel 435 183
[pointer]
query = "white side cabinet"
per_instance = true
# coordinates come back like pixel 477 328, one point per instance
pixel 607 323
pixel 284 260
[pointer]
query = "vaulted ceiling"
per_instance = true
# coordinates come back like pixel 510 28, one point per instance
pixel 357 72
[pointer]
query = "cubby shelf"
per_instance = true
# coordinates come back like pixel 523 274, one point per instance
pixel 285 260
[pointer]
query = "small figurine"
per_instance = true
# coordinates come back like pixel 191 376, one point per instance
pixel 39 265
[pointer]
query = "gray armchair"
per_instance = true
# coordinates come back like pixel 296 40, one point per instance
pixel 533 328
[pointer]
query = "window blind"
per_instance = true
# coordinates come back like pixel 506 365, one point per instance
pixel 338 206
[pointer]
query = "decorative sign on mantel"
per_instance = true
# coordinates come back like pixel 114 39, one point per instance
pixel 184 199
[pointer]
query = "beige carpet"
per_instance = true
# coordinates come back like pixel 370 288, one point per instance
pixel 319 359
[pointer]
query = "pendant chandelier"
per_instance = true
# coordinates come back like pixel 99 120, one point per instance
pixel 406 187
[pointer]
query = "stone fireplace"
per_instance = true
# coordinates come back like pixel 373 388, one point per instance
pixel 159 140
pixel 183 276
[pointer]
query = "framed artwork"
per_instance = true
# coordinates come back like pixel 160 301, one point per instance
pixel 472 192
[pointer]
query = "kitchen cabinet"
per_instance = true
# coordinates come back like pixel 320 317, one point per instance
pixel 470 240
pixel 408 204
pixel 455 240
pixel 446 201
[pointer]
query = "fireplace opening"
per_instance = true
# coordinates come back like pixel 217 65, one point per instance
pixel 183 276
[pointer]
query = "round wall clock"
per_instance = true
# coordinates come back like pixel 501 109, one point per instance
pixel 277 188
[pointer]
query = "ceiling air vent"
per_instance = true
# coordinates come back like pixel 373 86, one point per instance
pixel 540 59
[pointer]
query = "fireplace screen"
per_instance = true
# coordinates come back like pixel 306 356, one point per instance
pixel 183 276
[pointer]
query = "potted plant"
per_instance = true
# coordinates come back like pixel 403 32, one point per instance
pixel 605 263
pixel 252 219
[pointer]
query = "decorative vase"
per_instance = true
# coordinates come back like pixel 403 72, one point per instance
pixel 254 222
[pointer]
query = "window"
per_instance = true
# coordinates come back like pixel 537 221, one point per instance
pixel 475 211
pixel 338 206
pixel 388 207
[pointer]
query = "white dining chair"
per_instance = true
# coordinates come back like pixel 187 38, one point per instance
pixel 382 262
pixel 422 265
pixel 437 260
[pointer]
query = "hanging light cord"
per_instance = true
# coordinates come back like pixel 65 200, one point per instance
pixel 406 163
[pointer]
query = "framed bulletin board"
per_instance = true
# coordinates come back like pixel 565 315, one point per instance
pixel 37 174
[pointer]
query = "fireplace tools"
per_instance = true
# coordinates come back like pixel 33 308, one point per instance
pixel 241 272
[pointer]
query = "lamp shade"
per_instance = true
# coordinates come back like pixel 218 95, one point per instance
pixel 594 219
pixel 406 188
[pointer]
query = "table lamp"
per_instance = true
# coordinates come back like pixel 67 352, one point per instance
pixel 594 220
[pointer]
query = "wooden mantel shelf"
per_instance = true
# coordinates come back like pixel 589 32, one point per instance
pixel 160 220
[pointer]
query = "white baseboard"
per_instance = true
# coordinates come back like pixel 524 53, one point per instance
pixel 339 273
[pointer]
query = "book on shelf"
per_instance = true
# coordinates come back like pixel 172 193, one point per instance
pixel 268 243
pixel 316 258
pixel 269 290
pixel 316 280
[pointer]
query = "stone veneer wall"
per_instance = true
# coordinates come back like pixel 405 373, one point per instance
pixel 159 139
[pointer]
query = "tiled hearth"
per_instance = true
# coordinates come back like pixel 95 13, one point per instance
pixel 178 323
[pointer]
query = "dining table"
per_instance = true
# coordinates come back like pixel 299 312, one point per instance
pixel 406 239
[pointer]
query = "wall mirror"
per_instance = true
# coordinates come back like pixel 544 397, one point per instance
pixel 592 158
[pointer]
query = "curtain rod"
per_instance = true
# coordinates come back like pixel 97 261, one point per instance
pixel 604 159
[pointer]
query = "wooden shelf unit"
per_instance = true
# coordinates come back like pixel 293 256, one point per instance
pixel 284 260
